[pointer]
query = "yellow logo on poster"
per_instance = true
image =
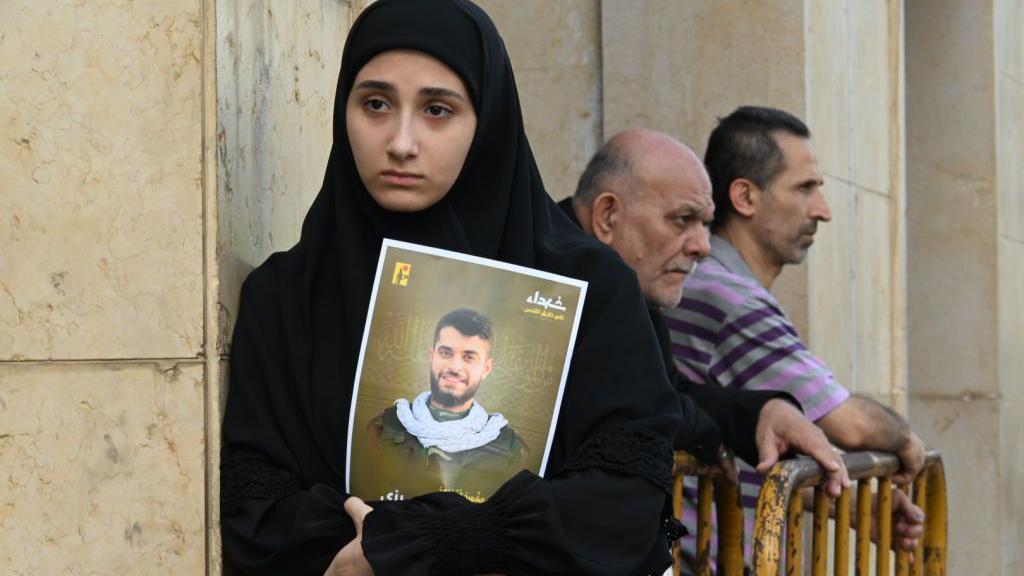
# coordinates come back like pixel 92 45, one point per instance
pixel 401 275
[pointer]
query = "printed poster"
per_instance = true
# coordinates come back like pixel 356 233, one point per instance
pixel 460 374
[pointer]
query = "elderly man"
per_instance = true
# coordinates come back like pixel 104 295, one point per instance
pixel 649 197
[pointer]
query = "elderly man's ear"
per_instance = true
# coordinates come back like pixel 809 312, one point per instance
pixel 745 196
pixel 605 214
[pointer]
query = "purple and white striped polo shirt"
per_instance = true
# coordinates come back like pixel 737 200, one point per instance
pixel 730 331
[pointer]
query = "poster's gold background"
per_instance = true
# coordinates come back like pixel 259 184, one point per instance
pixel 528 351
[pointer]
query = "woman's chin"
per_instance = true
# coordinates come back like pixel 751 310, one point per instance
pixel 405 200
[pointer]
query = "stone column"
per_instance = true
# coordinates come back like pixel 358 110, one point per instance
pixel 965 93
pixel 277 72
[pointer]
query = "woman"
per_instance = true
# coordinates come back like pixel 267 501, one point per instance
pixel 429 148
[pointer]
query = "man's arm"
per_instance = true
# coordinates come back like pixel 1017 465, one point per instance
pixel 860 423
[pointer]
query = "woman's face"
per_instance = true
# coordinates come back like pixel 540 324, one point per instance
pixel 410 122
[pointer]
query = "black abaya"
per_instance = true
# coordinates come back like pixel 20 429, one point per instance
pixel 300 322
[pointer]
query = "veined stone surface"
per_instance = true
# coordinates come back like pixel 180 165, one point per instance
pixel 277 71
pixel 100 180
pixel 555 49
pixel 101 468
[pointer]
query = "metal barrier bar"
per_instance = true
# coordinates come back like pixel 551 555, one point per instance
pixel 677 510
pixel 920 489
pixel 884 516
pixel 795 536
pixel 842 561
pixel 902 556
pixel 819 542
pixel 780 514
pixel 935 528
pixel 864 527
pixel 729 508
pixel 703 526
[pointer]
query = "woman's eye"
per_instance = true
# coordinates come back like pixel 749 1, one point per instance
pixel 376 105
pixel 437 111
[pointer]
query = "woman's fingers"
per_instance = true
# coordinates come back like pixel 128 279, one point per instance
pixel 357 510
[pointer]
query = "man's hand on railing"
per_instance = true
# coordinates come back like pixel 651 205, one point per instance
pixel 908 522
pixel 911 457
pixel 907 518
pixel 781 428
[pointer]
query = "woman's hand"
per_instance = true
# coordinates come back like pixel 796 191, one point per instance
pixel 350 561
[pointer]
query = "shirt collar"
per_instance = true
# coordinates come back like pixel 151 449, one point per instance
pixel 726 255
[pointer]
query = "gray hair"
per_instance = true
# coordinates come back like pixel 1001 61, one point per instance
pixel 610 163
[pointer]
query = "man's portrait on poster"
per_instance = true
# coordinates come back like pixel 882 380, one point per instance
pixel 444 429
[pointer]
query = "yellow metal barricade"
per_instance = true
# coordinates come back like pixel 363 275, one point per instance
pixel 779 528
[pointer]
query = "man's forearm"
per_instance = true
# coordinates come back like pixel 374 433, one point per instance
pixel 860 423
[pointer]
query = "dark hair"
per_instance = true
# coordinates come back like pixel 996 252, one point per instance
pixel 467 322
pixel 743 146
pixel 609 162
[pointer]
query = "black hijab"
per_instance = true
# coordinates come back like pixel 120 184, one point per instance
pixel 300 322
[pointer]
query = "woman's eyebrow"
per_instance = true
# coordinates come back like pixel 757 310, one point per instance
pixel 437 92
pixel 375 85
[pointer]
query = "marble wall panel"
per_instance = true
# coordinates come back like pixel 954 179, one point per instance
pixel 950 119
pixel 555 48
pixel 1009 17
pixel 965 432
pixel 100 180
pixel 676 66
pixel 564 136
pixel 871 96
pixel 951 198
pixel 1010 158
pixel 1011 377
pixel 952 314
pixel 216 397
pixel 831 286
pixel 103 468
pixel 277 70
pixel 545 34
pixel 828 85
pixel 872 311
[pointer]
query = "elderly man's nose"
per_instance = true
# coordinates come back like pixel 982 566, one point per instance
pixel 698 245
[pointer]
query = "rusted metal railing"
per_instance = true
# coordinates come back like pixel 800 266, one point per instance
pixel 779 527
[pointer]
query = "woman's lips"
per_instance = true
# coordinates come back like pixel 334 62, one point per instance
pixel 401 178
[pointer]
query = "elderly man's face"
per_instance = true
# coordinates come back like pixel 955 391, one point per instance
pixel 663 230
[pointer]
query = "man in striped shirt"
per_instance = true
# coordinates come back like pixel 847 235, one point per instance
pixel 729 330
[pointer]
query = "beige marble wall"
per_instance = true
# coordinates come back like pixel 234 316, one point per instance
pixel 854 109
pixel 965 107
pixel 677 66
pixel 103 468
pixel 277 70
pixel 1009 19
pixel 555 48
pixel 100 185
pixel 101 287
